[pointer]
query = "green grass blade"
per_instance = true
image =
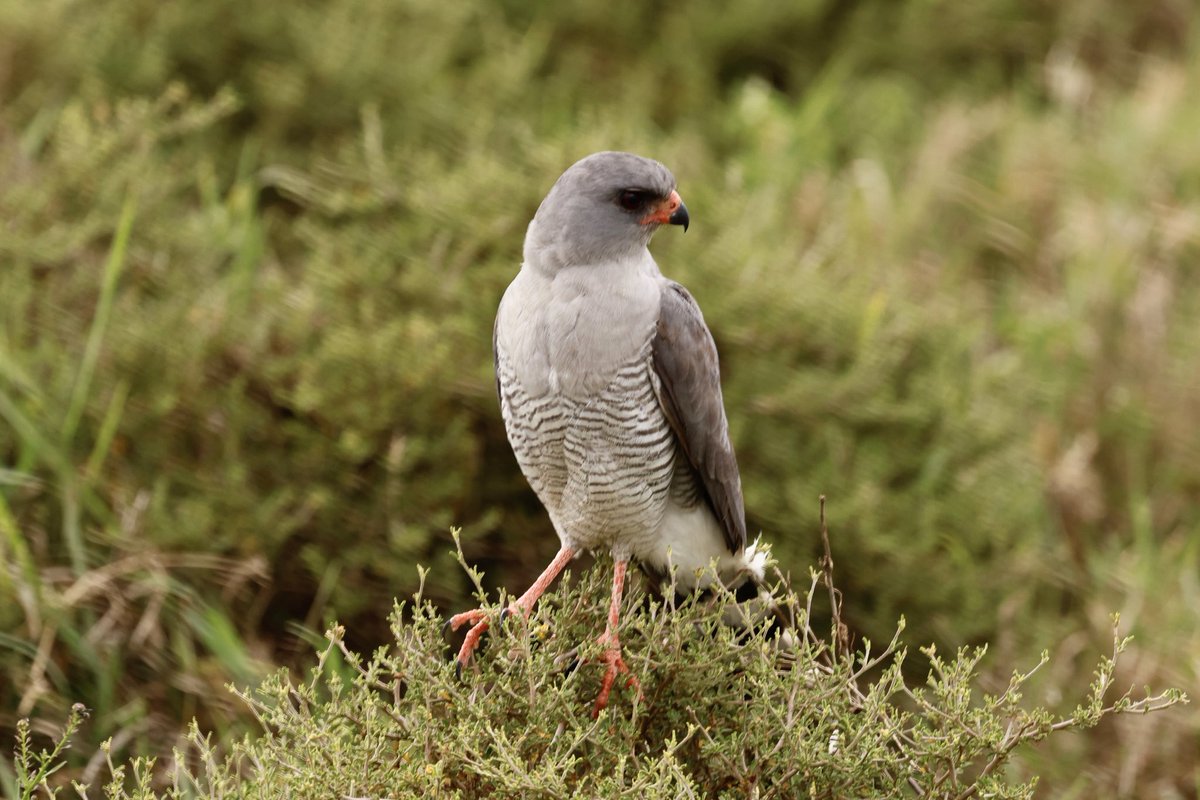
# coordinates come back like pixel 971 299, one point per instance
pixel 108 430
pixel 13 546
pixel 91 353
pixel 37 445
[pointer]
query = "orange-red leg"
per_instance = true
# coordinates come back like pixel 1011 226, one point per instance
pixel 478 617
pixel 612 644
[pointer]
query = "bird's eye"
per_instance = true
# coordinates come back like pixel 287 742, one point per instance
pixel 631 199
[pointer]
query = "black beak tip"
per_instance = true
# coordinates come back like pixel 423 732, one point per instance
pixel 680 217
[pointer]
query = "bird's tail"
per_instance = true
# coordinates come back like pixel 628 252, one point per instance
pixel 759 593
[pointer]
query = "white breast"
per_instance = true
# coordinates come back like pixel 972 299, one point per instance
pixel 576 327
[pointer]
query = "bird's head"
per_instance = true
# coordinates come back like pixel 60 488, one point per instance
pixel 604 208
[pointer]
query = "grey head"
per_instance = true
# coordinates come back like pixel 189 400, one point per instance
pixel 603 209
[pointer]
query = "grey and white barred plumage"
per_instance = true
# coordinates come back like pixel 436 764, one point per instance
pixel 603 466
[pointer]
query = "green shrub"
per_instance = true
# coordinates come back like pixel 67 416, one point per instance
pixel 719 714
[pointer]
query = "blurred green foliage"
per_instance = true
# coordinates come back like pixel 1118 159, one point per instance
pixel 947 250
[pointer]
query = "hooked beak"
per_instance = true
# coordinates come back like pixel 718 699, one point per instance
pixel 671 212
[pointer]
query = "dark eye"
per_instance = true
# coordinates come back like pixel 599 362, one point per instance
pixel 632 199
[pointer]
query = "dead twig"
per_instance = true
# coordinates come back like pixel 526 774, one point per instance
pixel 841 634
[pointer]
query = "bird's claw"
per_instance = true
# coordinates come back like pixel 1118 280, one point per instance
pixel 471 643
pixel 478 619
pixel 458 620
pixel 615 666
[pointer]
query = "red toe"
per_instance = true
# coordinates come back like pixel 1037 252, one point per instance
pixel 615 666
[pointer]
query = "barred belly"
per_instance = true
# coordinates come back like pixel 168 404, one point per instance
pixel 603 464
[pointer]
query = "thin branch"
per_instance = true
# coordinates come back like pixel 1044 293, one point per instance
pixel 841 635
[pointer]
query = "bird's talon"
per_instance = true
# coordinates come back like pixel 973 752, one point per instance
pixel 458 620
pixel 615 666
pixel 471 641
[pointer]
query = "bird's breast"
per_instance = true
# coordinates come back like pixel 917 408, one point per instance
pixel 569 335
pixel 577 387
pixel 602 465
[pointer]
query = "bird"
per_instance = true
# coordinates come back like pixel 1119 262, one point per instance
pixel 610 391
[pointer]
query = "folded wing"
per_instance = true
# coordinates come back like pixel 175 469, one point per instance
pixel 689 390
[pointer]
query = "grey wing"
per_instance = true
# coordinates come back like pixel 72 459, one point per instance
pixel 685 361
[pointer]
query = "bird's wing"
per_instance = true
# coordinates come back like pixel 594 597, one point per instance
pixel 689 390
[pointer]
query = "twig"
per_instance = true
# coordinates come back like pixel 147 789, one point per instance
pixel 841 635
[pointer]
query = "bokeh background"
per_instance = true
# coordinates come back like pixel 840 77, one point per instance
pixel 250 255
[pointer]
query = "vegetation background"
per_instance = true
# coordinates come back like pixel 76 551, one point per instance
pixel 250 256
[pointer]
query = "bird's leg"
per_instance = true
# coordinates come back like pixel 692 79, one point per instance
pixel 478 617
pixel 612 643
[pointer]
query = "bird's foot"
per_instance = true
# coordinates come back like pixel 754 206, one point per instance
pixel 614 665
pixel 477 618
pixel 458 620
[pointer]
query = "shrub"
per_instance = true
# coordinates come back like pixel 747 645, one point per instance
pixel 720 713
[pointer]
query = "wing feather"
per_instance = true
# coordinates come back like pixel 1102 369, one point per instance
pixel 689 391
